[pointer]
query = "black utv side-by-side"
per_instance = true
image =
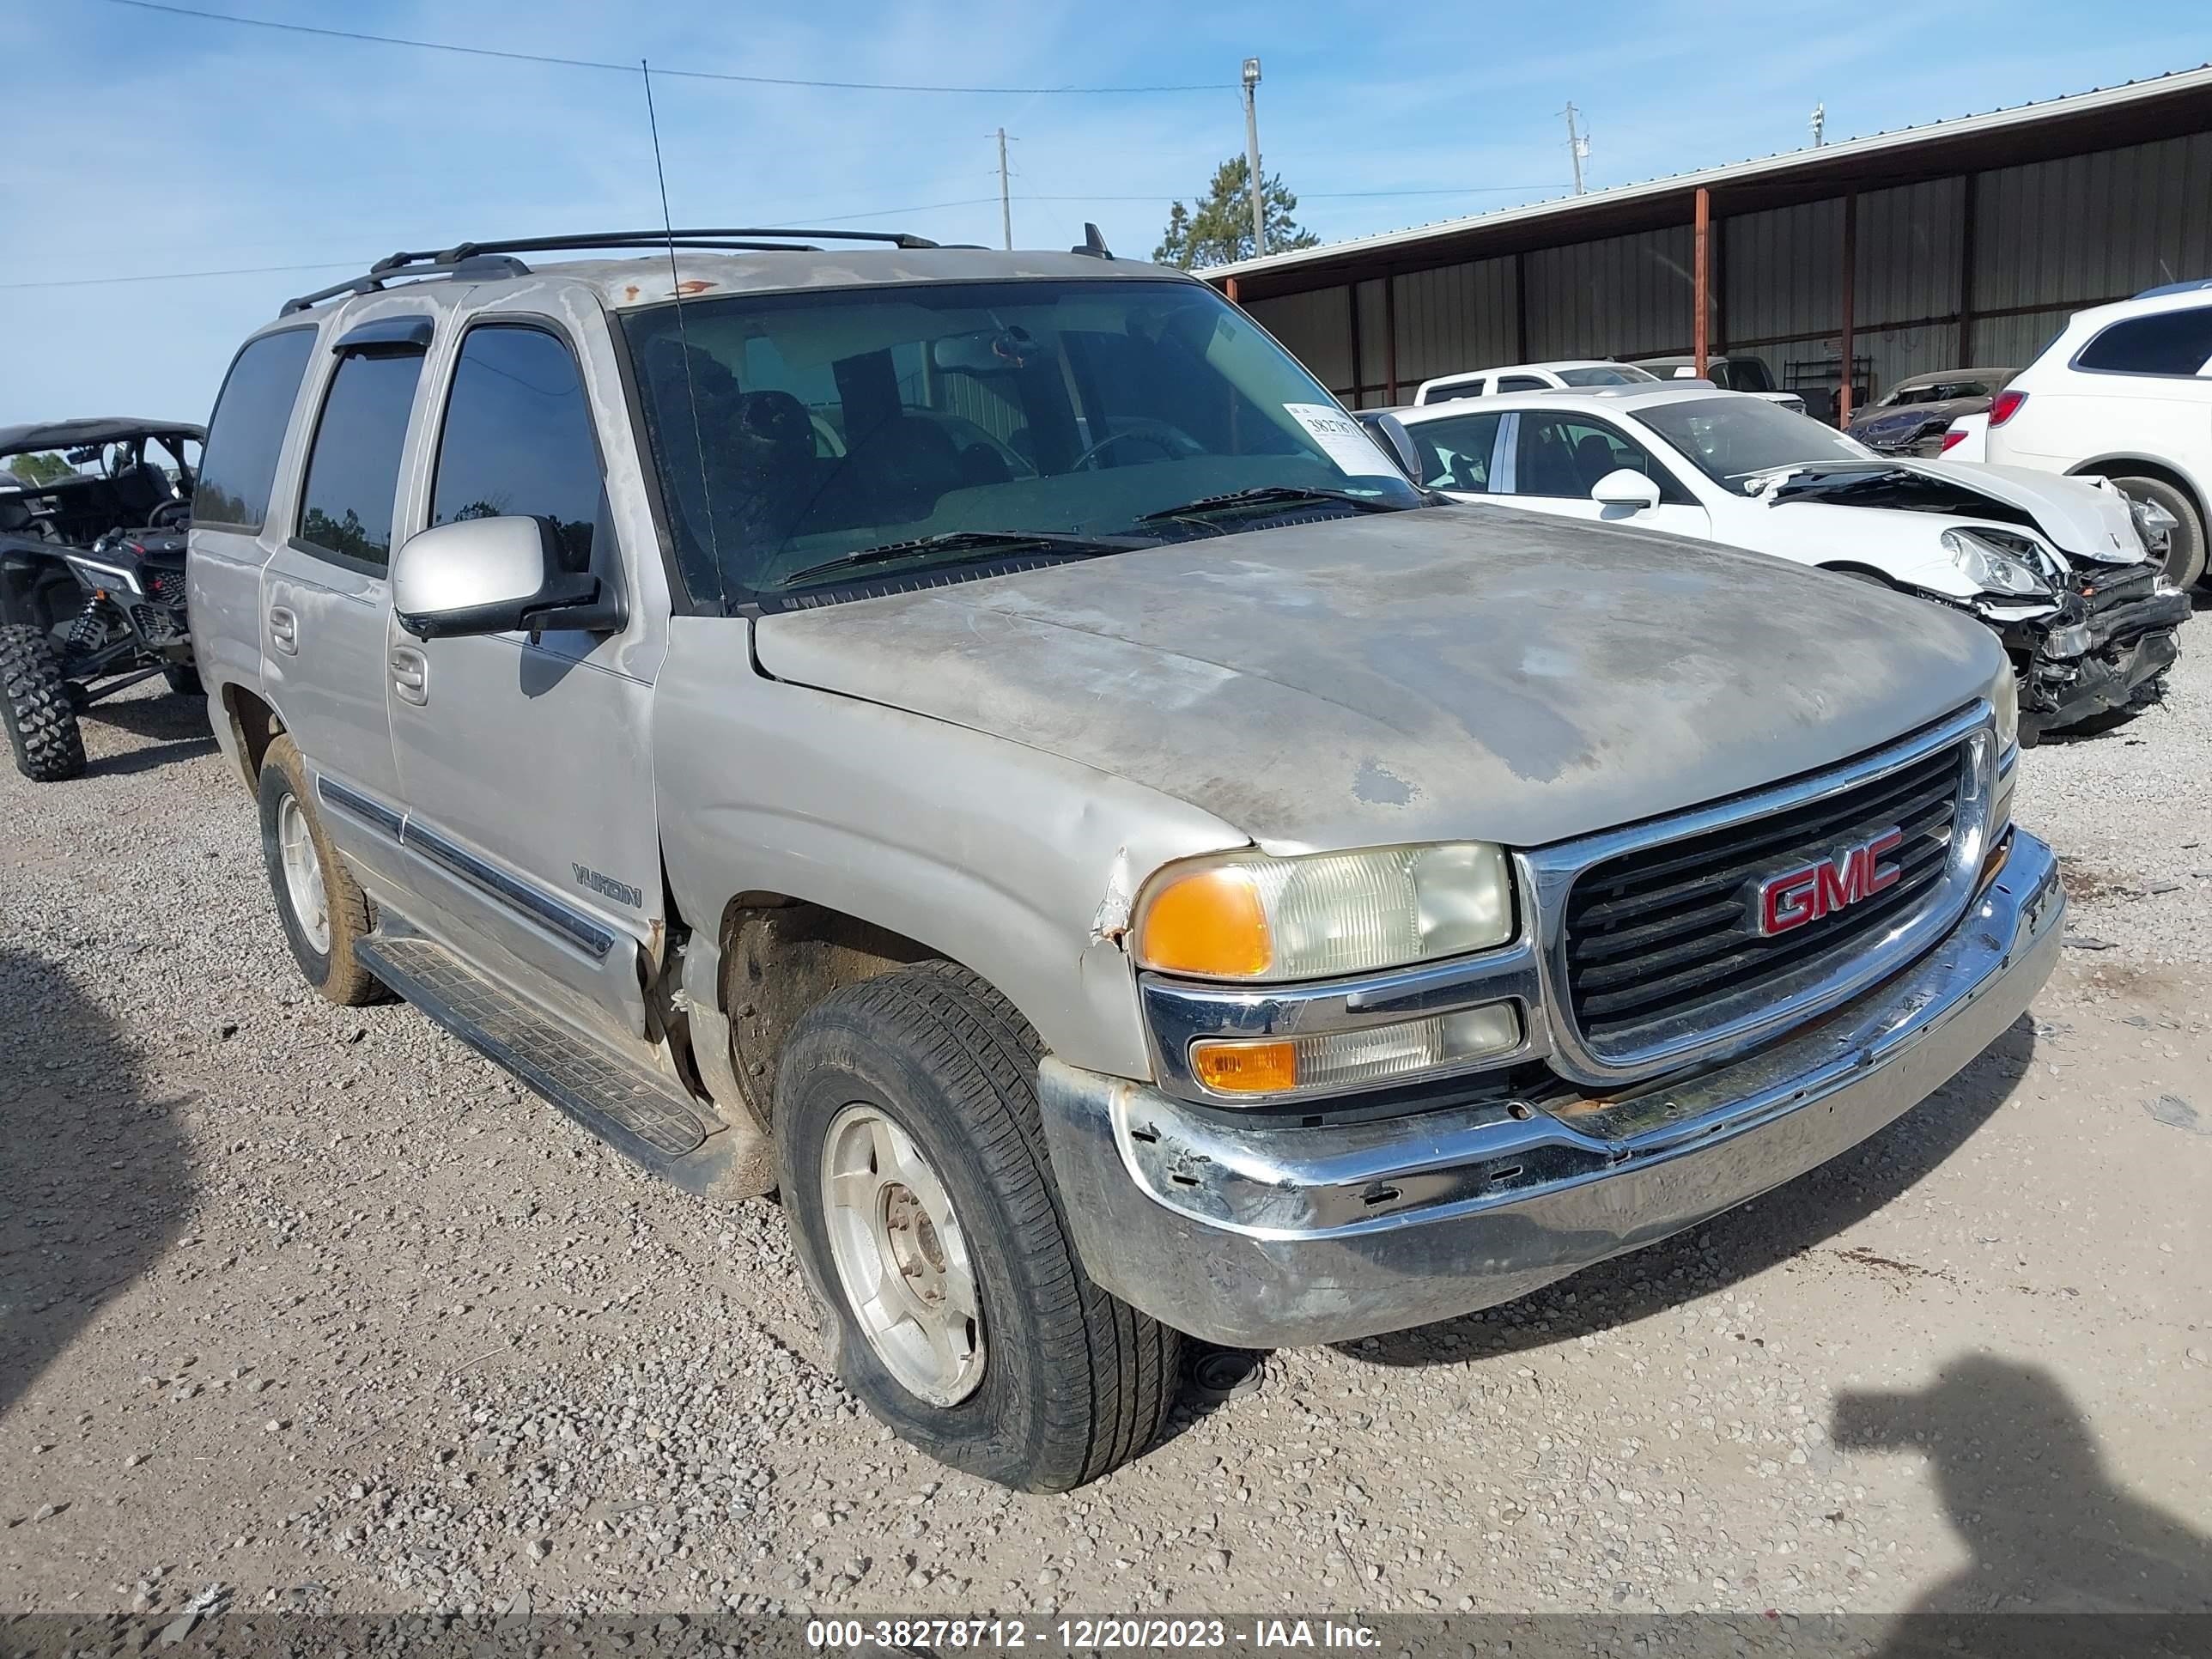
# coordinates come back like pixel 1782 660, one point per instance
pixel 92 576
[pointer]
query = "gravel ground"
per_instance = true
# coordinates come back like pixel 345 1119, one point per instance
pixel 314 1304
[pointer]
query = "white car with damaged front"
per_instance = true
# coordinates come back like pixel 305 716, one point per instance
pixel 2062 569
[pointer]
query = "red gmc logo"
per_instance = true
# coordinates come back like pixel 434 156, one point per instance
pixel 1825 886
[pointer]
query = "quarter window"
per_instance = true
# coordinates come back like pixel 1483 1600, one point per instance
pixel 518 438
pixel 1520 383
pixel 246 433
pixel 353 472
pixel 2169 343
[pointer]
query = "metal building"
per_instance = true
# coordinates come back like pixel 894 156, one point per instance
pixel 1965 241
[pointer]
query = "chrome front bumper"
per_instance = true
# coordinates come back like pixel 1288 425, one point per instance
pixel 1269 1234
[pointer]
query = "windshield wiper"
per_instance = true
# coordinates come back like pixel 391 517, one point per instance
pixel 976 541
pixel 1265 496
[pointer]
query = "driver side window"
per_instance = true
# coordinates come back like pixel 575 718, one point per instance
pixel 1565 455
pixel 518 441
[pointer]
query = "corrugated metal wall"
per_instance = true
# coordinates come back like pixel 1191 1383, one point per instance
pixel 1633 292
pixel 2049 237
pixel 1316 326
pixel 1452 318
pixel 2088 227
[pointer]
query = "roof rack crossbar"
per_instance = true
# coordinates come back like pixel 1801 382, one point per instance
pixel 661 240
pixel 756 234
pixel 490 258
pixel 401 264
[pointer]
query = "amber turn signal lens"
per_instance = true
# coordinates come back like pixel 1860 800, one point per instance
pixel 1245 1068
pixel 1209 922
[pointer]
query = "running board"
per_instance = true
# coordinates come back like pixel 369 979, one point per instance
pixel 641 1117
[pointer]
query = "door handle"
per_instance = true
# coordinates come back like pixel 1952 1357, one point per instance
pixel 410 675
pixel 284 629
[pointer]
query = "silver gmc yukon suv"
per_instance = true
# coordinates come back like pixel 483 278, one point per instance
pixel 982 745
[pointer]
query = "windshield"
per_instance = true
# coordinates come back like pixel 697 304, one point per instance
pixel 1734 439
pixel 1742 374
pixel 1606 375
pixel 831 424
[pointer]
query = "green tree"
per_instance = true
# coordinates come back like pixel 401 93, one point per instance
pixel 41 469
pixel 1220 230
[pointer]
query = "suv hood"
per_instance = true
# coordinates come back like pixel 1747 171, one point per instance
pixel 2078 518
pixel 1447 673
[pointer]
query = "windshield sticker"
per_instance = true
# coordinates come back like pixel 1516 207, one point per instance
pixel 1342 439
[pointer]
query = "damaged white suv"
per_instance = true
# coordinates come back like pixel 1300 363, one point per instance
pixel 2061 568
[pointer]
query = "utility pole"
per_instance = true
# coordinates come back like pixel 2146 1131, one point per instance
pixel 1819 124
pixel 1005 200
pixel 1577 148
pixel 1252 156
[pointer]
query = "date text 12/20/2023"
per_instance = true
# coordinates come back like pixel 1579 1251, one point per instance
pixel 1090 1635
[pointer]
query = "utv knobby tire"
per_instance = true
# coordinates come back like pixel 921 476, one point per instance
pixel 1075 1381
pixel 36 707
pixel 334 973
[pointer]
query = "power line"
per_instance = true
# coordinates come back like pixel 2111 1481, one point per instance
pixel 631 69
pixel 187 276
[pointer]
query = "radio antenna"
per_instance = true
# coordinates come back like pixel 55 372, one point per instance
pixel 683 337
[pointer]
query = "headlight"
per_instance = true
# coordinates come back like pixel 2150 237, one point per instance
pixel 1993 569
pixel 2004 697
pixel 1248 916
pixel 2154 524
pixel 98 573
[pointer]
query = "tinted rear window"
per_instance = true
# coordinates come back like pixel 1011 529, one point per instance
pixel 353 474
pixel 2170 343
pixel 246 435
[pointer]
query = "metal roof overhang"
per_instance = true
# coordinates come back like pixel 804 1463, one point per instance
pixel 2108 119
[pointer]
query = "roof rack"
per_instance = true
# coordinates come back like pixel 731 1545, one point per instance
pixel 494 259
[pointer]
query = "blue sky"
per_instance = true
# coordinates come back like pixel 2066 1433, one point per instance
pixel 144 143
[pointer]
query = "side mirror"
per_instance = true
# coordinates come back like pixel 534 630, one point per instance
pixel 985 350
pixel 494 576
pixel 1622 487
pixel 1397 443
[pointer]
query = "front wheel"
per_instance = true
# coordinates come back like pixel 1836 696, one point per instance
pixel 36 707
pixel 2185 544
pixel 923 1206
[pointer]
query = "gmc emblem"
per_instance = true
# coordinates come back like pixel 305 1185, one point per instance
pixel 1825 886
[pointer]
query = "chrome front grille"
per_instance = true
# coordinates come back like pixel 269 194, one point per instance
pixel 1656 951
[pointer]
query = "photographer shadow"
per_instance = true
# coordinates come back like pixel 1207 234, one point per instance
pixel 1797 1217
pixel 96 1172
pixel 2018 1470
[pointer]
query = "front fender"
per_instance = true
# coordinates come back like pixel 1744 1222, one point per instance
pixel 1017 864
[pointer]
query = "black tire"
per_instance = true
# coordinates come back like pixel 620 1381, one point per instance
pixel 183 680
pixel 1075 1381
pixel 333 971
pixel 36 707
pixel 2185 547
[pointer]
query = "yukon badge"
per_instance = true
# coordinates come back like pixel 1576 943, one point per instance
pixel 621 892
pixel 1807 892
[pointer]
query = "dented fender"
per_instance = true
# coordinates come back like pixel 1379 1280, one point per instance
pixel 1020 865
